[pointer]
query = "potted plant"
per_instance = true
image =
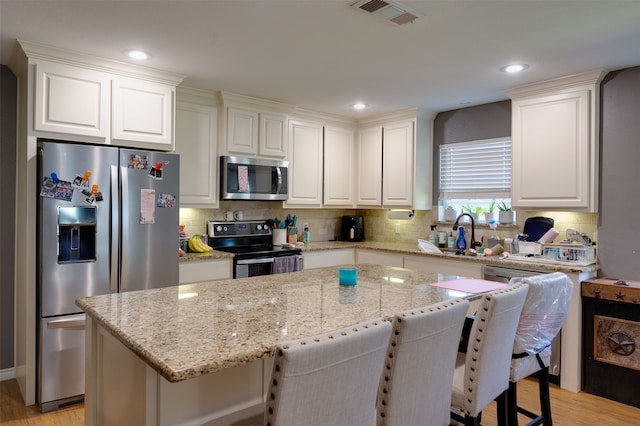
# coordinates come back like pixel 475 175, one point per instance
pixel 505 214
pixel 472 211
pixel 450 214
pixel 491 213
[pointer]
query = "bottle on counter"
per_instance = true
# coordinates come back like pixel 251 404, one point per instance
pixel 451 242
pixel 306 236
pixel 432 235
pixel 461 242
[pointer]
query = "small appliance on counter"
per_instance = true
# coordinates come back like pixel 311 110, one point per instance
pixel 352 228
pixel 536 227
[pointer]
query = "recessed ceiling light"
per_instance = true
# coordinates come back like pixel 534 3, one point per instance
pixel 139 55
pixel 514 68
pixel 359 105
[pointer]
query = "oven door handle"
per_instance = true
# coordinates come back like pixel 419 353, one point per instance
pixel 255 261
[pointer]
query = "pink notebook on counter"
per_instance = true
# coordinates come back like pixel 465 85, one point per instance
pixel 470 285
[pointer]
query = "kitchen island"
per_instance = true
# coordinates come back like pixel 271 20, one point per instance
pixel 191 353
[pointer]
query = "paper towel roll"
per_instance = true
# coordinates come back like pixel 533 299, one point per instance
pixel 549 236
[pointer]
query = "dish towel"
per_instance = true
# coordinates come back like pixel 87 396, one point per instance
pixel 285 264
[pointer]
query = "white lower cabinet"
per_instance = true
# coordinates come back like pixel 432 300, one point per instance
pixel 378 257
pixel 205 270
pixel 324 258
pixel 443 266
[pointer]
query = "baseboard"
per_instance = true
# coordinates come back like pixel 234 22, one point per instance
pixel 7 374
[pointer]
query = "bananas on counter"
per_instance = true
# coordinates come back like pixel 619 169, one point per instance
pixel 197 246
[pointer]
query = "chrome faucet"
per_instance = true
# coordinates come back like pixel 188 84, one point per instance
pixel 473 244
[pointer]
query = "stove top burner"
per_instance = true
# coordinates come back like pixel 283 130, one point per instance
pixel 246 239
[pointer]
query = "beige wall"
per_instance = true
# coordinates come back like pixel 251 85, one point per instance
pixel 325 223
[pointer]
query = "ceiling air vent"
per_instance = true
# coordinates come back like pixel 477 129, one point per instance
pixel 387 10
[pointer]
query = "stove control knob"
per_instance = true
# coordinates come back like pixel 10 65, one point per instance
pixel 259 227
pixel 225 229
pixel 218 228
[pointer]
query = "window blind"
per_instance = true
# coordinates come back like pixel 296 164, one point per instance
pixel 476 169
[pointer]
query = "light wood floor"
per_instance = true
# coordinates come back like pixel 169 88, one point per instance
pixel 568 409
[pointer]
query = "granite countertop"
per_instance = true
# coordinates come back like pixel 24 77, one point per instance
pixel 186 331
pixel 406 248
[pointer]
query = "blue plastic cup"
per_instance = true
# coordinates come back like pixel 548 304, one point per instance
pixel 348 276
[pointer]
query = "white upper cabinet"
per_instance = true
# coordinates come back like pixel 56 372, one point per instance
pixel 142 111
pixel 272 135
pixel 555 143
pixel 71 100
pixel 242 131
pixel 90 99
pixel 369 167
pixel 394 162
pixel 254 127
pixel 397 163
pixel 339 176
pixel 305 164
pixel 197 144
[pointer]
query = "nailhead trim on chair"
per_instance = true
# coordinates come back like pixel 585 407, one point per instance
pixel 482 318
pixel 394 345
pixel 280 353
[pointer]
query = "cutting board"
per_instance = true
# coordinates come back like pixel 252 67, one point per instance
pixel 470 285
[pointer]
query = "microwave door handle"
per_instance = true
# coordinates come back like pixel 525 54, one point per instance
pixel 279 186
pixel 255 261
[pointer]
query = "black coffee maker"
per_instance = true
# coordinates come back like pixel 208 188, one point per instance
pixel 352 228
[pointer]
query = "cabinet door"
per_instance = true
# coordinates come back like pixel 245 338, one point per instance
pixel 196 142
pixel 205 270
pixel 338 167
pixel 379 257
pixel 142 113
pixel 242 131
pixel 443 265
pixel 325 258
pixel 71 100
pixel 397 163
pixel 305 164
pixel 369 169
pixel 272 135
pixel 551 151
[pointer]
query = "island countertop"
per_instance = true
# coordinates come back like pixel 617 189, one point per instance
pixel 190 330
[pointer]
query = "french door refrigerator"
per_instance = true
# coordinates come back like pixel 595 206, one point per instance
pixel 107 223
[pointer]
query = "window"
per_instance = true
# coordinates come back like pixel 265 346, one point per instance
pixel 475 173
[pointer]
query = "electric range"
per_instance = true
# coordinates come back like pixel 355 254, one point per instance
pixel 251 244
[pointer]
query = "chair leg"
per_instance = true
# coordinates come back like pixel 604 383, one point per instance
pixel 545 400
pixel 502 409
pixel 512 404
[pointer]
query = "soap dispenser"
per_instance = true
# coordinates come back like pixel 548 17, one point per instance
pixel 451 242
pixel 461 243
pixel 432 236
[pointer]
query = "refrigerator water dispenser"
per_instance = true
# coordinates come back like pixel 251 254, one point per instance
pixel 76 234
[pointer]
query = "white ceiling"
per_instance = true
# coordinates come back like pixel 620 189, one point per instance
pixel 323 55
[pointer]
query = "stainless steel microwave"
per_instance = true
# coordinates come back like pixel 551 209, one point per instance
pixel 244 178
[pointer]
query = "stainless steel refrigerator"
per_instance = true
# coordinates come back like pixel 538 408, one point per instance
pixel 107 222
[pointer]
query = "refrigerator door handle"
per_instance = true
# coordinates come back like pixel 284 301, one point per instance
pixel 66 323
pixel 124 255
pixel 115 226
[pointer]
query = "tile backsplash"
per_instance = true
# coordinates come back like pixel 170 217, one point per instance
pixel 325 223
